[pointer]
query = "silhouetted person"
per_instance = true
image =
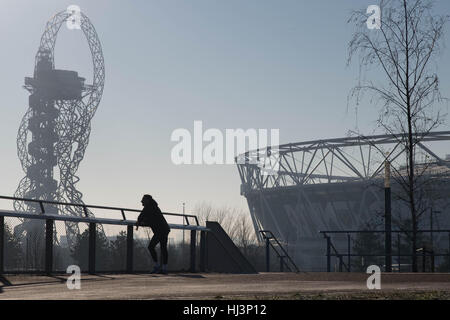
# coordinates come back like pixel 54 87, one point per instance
pixel 151 216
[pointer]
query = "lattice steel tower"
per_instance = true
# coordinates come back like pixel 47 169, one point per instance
pixel 54 132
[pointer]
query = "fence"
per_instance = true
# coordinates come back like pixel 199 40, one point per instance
pixel 369 240
pixel 101 244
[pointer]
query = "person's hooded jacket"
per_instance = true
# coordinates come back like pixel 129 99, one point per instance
pixel 151 216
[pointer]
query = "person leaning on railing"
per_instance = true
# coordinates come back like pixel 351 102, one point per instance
pixel 151 216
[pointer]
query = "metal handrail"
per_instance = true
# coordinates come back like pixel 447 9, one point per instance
pixel 338 255
pixel 86 206
pixel 383 231
pixel 327 234
pixel 92 221
pixel 57 217
pixel 272 236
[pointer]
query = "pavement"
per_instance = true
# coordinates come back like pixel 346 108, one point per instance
pixel 214 286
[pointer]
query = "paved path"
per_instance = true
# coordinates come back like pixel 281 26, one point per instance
pixel 211 286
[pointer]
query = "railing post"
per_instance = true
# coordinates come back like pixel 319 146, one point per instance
pixel 48 246
pixel 398 252
pixel 42 207
pixel 423 259
pixel 341 262
pixel 281 263
pixel 328 254
pixel 267 255
pixel 432 261
pixel 193 249
pixel 202 251
pixel 388 230
pixel 2 244
pixel 130 248
pixel 92 236
pixel 348 253
pixel 86 214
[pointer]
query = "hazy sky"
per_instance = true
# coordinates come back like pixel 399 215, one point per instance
pixel 230 63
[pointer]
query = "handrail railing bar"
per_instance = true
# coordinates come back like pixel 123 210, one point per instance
pixel 330 244
pixel 41 202
pixel 340 256
pixel 79 219
pixel 285 252
pixel 272 236
pixel 382 231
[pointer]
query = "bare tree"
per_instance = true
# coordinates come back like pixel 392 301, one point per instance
pixel 236 222
pixel 403 51
pixel 204 212
pixel 244 235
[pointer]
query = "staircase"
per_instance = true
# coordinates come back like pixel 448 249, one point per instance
pixel 285 259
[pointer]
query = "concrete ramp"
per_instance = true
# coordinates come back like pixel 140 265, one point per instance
pixel 222 254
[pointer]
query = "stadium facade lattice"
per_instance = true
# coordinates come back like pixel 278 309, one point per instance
pixel 337 184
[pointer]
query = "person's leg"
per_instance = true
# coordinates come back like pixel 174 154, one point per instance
pixel 151 247
pixel 164 252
